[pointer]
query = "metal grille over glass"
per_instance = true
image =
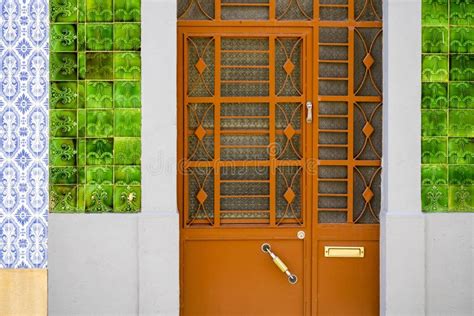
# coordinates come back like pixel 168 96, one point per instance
pixel 349 140
pixel 244 131
pixel 248 146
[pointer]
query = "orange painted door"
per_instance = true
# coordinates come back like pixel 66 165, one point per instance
pixel 279 144
pixel 244 174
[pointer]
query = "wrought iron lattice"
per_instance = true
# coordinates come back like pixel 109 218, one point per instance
pixel 255 84
pixel 196 10
pixel 247 127
pixel 201 67
pixel 349 111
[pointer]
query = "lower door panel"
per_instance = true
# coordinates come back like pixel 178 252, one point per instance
pixel 347 284
pixel 235 277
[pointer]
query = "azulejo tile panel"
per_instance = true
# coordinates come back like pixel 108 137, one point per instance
pixel 23 133
pixel 95 109
pixel 447 106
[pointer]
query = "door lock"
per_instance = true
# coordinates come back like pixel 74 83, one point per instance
pixel 279 263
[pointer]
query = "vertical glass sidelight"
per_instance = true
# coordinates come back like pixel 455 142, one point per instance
pixel 447 111
pixel 349 127
pixel 95 106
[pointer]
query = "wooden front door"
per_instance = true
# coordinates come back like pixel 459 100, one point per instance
pixel 279 143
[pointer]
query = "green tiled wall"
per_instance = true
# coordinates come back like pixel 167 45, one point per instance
pixel 95 106
pixel 447 105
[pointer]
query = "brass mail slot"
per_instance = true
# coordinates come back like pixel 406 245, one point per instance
pixel 343 252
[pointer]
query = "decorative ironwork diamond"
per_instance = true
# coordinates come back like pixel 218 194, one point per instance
pixel 200 132
pixel 368 61
pixel 289 131
pixel 289 195
pixel 201 196
pixel 289 67
pixel 368 129
pixel 368 194
pixel 200 65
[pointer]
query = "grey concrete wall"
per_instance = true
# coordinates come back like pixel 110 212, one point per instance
pixel 127 264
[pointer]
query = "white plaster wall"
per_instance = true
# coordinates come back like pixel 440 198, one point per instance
pixel 427 262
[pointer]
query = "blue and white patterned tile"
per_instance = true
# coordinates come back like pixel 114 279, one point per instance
pixel 24 77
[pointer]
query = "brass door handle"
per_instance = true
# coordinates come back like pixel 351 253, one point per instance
pixel 292 278
pixel 309 115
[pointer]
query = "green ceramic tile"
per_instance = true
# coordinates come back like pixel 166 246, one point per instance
pixel 62 152
pixel 461 67
pixel 434 95
pixel 461 95
pixel 99 94
pixel 81 198
pixel 100 175
pixel 461 174
pixel 434 198
pixel 81 175
pixel 81 10
pixel 99 66
pixel 63 10
pixel 63 95
pixel 461 198
pixel 434 150
pixel 63 198
pixel 127 36
pixel 81 37
pixel 63 66
pixel 127 94
pixel 435 40
pixel 127 65
pixel 100 123
pixel 461 39
pixel 81 152
pixel 127 151
pixel 99 198
pixel 99 37
pixel 434 122
pixel 63 175
pixel 63 38
pixel 461 12
pixel 461 123
pixel 127 199
pixel 81 91
pixel 461 150
pixel 434 68
pixel 434 12
pixel 95 101
pixel 82 65
pixel 448 162
pixel 127 175
pixel 128 122
pixel 99 11
pixel 81 123
pixel 127 10
pixel 434 175
pixel 99 151
pixel 63 123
